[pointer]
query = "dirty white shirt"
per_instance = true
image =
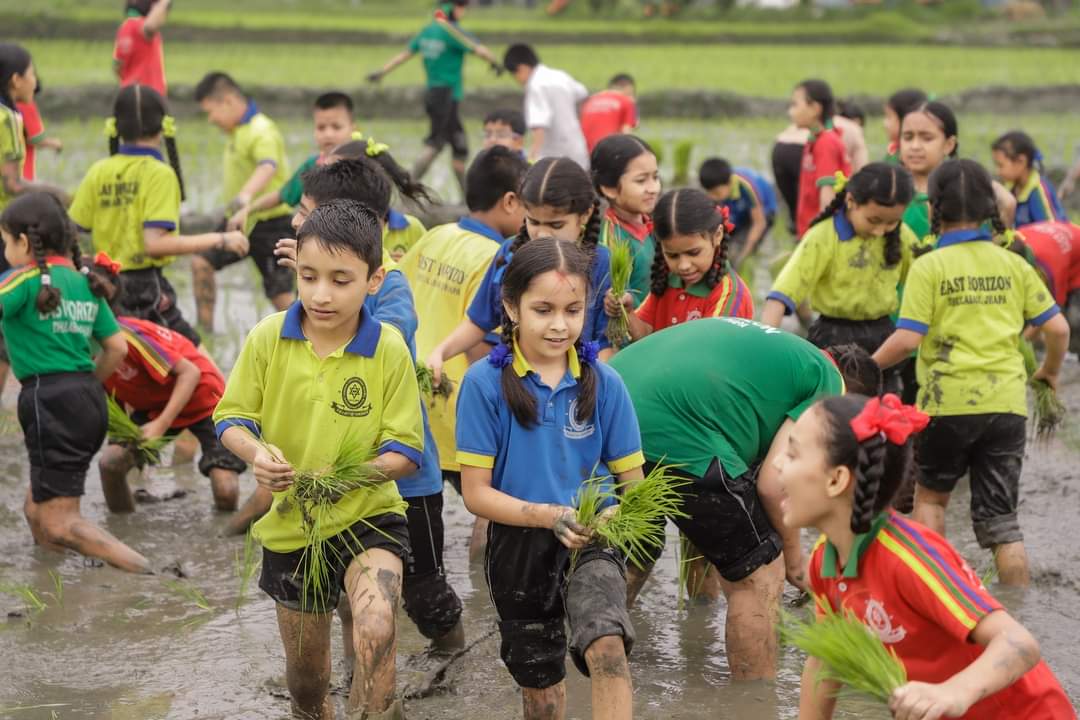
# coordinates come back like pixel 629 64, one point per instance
pixel 551 102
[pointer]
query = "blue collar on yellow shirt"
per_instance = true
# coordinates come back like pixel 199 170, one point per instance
pixel 396 220
pixel 363 343
pixel 844 229
pixel 474 225
pixel 136 150
pixel 962 236
pixel 252 111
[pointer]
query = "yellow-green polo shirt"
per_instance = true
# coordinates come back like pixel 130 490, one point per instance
pixel 400 233
pixel 12 145
pixel 120 197
pixel 362 396
pixel 255 141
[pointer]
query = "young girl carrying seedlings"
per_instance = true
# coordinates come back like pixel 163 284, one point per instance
pixel 929 136
pixel 896 108
pixel 130 205
pixel 536 420
pixel 625 173
pixel 691 276
pixel 964 655
pixel 812 108
pixel 964 306
pixel 1020 165
pixel 51 310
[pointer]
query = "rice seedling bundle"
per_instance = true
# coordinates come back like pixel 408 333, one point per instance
pixel 622 266
pixel 425 378
pixel 124 431
pixel 1049 411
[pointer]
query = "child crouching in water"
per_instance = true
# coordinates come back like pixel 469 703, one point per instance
pixel 534 421
pixel 965 656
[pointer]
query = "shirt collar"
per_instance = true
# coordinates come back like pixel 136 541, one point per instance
pixel 639 231
pixel 251 111
pixel 363 343
pixel 962 236
pixel 136 150
pixel 844 229
pixel 862 543
pixel 473 225
pixel 1023 192
pixel 736 187
pixel 699 289
pixel 132 12
pixel 523 368
pixel 396 220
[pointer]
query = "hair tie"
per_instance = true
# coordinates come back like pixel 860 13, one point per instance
pixel 889 417
pixel 931 97
pixel 103 261
pixel 375 149
pixel 168 126
pixel 839 181
pixel 46 279
pixel 501 355
pixel 110 127
pixel 590 351
pixel 724 212
pixel 85 270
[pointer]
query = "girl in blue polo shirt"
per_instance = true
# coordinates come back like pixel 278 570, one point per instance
pixel 536 420
pixel 1019 165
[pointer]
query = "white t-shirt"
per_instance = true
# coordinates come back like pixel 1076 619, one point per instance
pixel 551 103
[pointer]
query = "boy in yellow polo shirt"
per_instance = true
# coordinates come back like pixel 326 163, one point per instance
pixel 255 164
pixel 314 383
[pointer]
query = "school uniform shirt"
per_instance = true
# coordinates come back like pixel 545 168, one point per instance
pixel 12 145
pixel 1036 201
pixel 917 216
pixel 730 298
pixel 548 462
pixel 444 269
pixel 1056 246
pixel 293 189
pixel 362 397
pixel 138 58
pixel 607 113
pixel 551 103
pixel 748 191
pixel 442 46
pixel 121 196
pixel 401 232
pixel 642 241
pixel 842 274
pixel 33 132
pixel 823 155
pixel 145 379
pixel 912 590
pixel 56 342
pixel 970 299
pixel 721 388
pixel 255 141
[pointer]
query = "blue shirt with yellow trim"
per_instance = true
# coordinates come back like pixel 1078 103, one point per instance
pixel 749 190
pixel 1036 201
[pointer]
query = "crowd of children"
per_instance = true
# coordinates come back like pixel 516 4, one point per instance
pixel 918 275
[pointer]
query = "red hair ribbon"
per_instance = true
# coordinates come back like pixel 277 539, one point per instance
pixel 890 417
pixel 105 262
pixel 729 227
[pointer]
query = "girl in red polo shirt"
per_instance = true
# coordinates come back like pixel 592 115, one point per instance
pixel 812 108
pixel 691 276
pixel 965 656
pixel 139 54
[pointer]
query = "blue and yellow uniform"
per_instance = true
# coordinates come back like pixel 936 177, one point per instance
pixel 1036 201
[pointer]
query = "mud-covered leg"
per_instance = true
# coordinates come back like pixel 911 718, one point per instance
pixel 306 637
pixel 752 616
pixel 612 690
pixel 115 464
pixel 373 583
pixel 546 704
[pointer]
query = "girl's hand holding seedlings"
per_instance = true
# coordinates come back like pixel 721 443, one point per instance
pixel 435 362
pixel 611 304
pixel 570 532
pixel 153 430
pixel 271 470
pixel 285 249
pixel 927 701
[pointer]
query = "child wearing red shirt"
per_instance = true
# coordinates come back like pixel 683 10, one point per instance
pixel 965 656
pixel 610 111
pixel 139 54
pixel 812 108
pixel 34 131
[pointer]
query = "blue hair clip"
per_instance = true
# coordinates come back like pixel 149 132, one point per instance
pixel 501 355
pixel 1037 157
pixel 590 351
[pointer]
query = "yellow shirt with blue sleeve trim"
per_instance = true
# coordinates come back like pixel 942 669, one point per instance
pixel 255 141
pixel 12 145
pixel 121 196
pixel 362 396
pixel 400 233
pixel 970 299
pixel 843 274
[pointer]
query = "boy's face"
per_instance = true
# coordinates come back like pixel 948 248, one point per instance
pixel 498 133
pixel 720 193
pixel 224 111
pixel 333 284
pixel 625 88
pixel 333 127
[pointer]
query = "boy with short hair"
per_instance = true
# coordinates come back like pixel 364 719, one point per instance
pixel 255 163
pixel 322 380
pixel 750 200
pixel 505 127
pixel 139 53
pixel 611 111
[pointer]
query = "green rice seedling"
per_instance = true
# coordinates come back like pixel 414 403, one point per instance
pixel 990 574
pixel 58 588
pixel 622 265
pixel 189 592
pixel 1048 412
pixel 425 378
pixel 851 654
pixel 30 598
pixel 683 150
pixel 685 560
pixel 124 431
pixel 1027 350
pixel 247 564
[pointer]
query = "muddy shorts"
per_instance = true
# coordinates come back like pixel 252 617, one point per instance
pixel 535 593
pixel 61 446
pixel 148 295
pixel 446 128
pixel 429 600
pixel 282 573
pixel 867 334
pixel 990 449
pixel 262 239
pixel 215 456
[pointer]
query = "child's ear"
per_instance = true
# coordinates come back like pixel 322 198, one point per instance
pixel 849 203
pixel 22 241
pixel 511 203
pixel 511 311
pixel 375 280
pixel 610 193
pixel 838 480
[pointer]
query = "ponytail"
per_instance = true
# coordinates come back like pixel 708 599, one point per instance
pixel 521 402
pixel 520 239
pixel 380 154
pixel 869 470
pixel 168 128
pixel 140 112
pixel 48 297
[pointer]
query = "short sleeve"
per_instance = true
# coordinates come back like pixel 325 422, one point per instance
pixel 293 189
pixel 161 199
pixel 580 92
pixel 477 430
pixel 618 423
pixel 85 201
pixel 917 310
pixel 33 127
pixel 630 113
pixel 482 307
pixel 105 323
pixel 10 142
pixel 266 147
pixel 646 312
pixel 394 305
pixel 13 293
pixel 828 155
pixel 125 39
pixel 1039 305
pixel 816 380
pixel 538 112
pixel 242 402
pixel 402 428
pixel 806 267
pixel 414 44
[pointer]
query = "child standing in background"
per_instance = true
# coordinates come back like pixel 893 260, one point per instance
pixel 929 135
pixel 34 133
pixel 899 104
pixel 749 199
pixel 812 108
pixel 610 112
pixel 1019 166
pixel 139 53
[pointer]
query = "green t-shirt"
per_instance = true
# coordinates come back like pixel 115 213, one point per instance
pixel 917 216
pixel 254 142
pixel 12 145
pixel 442 46
pixel 59 342
pixel 293 190
pixel 721 388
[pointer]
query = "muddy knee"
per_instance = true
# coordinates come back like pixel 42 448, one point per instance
pixel 225 486
pixel 606 657
pixel 115 460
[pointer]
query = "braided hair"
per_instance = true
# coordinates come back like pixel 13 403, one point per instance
pixel 139 112
pixel 861 374
pixel 962 193
pixel 687 212
pixel 402 179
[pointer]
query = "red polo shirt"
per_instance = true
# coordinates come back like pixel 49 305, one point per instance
pixel 140 59
pixel 607 113
pixel 1057 249
pixel 822 156
pixel 33 129
pixel 730 298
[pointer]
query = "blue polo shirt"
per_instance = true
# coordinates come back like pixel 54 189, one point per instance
pixel 486 308
pixel 748 190
pixel 548 462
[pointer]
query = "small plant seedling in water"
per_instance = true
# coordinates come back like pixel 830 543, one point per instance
pixel 58 588
pixel 30 598
pixel 189 592
pixel 247 564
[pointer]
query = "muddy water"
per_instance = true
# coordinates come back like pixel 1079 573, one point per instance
pixel 118 646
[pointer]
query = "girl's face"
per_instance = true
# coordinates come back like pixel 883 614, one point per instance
pixel 809 484
pixel 16 249
pixel 639 186
pixel 873 220
pixel 548 221
pixel 23 86
pixel 1010 170
pixel 923 145
pixel 802 111
pixel 891 121
pixel 550 315
pixel 690 256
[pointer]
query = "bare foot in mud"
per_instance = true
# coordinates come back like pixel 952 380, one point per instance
pixel 174 568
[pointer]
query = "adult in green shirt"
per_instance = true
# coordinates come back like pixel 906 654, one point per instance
pixel 443 45
pixel 717 397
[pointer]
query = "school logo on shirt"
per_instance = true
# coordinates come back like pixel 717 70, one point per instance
pixel 880 622
pixel 354 399
pixel 573 429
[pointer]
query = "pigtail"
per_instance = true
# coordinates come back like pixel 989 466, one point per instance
pixel 659 274
pixel 168 129
pixel 719 266
pixel 935 216
pixel 832 208
pixel 590 235
pixel 520 401
pixel 892 246
pixel 520 239
pixel 99 286
pixel 586 399
pixel 48 297
pixel 868 473
pixel 402 179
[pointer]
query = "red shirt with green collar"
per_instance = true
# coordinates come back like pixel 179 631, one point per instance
pixel 823 155
pixel 730 298
pixel 139 58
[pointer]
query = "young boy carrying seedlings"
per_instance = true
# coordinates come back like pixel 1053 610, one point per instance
pixel 315 385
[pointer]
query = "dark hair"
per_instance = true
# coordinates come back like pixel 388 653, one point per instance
pixel 514 119
pixel 360 180
pixel 215 84
pixel 493 173
pixel 518 55
pixel 338 225
pixel 536 258
pixel 140 6
pixel 819 91
pixel 621 79
pixel 904 101
pixel 862 376
pixel 884 184
pixel 14 60
pixel 42 218
pixel 399 176
pixel 877 465
pixel 852 110
pixel 943 115
pixel 962 192
pixel 687 212
pixel 331 100
pixel 612 156
pixel 1017 143
pixel 714 172
pixel 140 112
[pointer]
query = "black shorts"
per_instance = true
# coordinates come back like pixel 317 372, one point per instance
pixel 442 110
pixel 454 478
pixel 990 449
pixel 787 167
pixel 535 592
pixel 739 237
pixel 429 600
pixel 263 238
pixel 148 295
pixel 64 421
pixel 282 573
pixel 215 456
